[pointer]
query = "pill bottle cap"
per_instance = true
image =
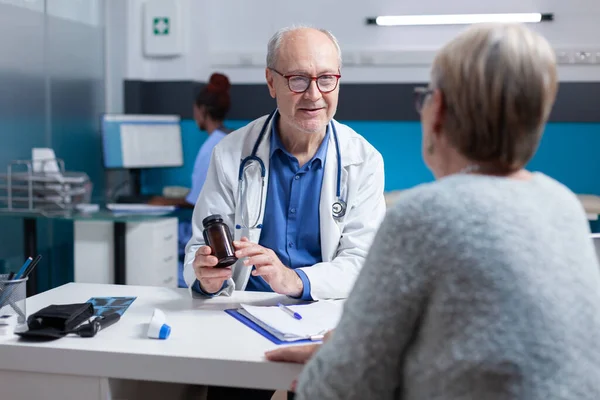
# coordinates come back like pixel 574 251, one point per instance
pixel 212 219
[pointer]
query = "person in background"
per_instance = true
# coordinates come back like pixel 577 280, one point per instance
pixel 487 282
pixel 210 109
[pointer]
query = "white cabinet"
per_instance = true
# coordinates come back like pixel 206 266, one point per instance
pixel 150 252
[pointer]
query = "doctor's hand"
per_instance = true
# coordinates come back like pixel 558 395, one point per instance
pixel 211 279
pixel 282 279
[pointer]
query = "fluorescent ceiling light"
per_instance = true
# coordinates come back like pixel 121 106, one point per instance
pixel 457 19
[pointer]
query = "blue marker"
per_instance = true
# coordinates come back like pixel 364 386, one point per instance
pixel 289 311
pixel 24 268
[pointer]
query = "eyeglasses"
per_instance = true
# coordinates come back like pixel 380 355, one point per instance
pixel 300 83
pixel 421 94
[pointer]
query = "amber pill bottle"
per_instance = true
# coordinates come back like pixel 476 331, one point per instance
pixel 218 236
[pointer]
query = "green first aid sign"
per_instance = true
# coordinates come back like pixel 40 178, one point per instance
pixel 161 26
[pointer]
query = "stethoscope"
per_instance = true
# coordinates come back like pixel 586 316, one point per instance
pixel 338 208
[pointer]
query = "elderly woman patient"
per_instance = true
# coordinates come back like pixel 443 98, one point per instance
pixel 483 284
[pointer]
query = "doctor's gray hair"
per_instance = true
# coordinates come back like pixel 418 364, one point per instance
pixel 277 38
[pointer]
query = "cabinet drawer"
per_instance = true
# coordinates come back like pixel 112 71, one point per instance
pixel 152 253
pixel 162 249
pixel 154 268
pixel 167 274
pixel 165 235
pixel 166 258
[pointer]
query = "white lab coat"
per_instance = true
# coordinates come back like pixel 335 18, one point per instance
pixel 344 243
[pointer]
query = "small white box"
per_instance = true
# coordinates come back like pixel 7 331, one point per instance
pixel 163 34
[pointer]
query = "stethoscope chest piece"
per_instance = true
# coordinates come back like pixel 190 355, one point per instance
pixel 338 209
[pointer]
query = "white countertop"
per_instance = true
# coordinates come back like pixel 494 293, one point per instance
pixel 206 346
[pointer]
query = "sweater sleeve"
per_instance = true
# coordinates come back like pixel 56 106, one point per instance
pixel 363 358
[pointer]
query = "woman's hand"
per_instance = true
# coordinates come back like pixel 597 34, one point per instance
pixel 293 354
pixel 296 354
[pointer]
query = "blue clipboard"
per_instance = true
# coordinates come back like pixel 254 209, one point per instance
pixel 251 324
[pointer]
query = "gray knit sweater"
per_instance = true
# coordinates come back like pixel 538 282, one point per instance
pixel 476 287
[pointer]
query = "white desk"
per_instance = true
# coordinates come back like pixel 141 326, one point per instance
pixel 206 347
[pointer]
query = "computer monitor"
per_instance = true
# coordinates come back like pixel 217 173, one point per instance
pixel 141 141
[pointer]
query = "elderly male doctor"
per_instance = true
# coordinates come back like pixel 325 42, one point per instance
pixel 302 193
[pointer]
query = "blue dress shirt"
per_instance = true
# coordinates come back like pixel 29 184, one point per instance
pixel 291 224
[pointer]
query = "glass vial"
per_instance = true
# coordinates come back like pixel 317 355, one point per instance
pixel 218 236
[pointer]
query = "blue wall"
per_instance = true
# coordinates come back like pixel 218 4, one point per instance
pixel 568 153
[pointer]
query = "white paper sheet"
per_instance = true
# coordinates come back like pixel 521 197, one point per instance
pixel 44 160
pixel 317 318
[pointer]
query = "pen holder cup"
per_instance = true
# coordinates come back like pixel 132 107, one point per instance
pixel 13 296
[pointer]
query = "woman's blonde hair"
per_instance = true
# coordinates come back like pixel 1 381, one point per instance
pixel 499 83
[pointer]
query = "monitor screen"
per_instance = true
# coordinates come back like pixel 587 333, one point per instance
pixel 141 141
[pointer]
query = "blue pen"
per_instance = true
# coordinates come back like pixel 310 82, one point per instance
pixel 289 311
pixel 23 268
pixel 9 290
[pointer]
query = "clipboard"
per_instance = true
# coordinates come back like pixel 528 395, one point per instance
pixel 234 312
